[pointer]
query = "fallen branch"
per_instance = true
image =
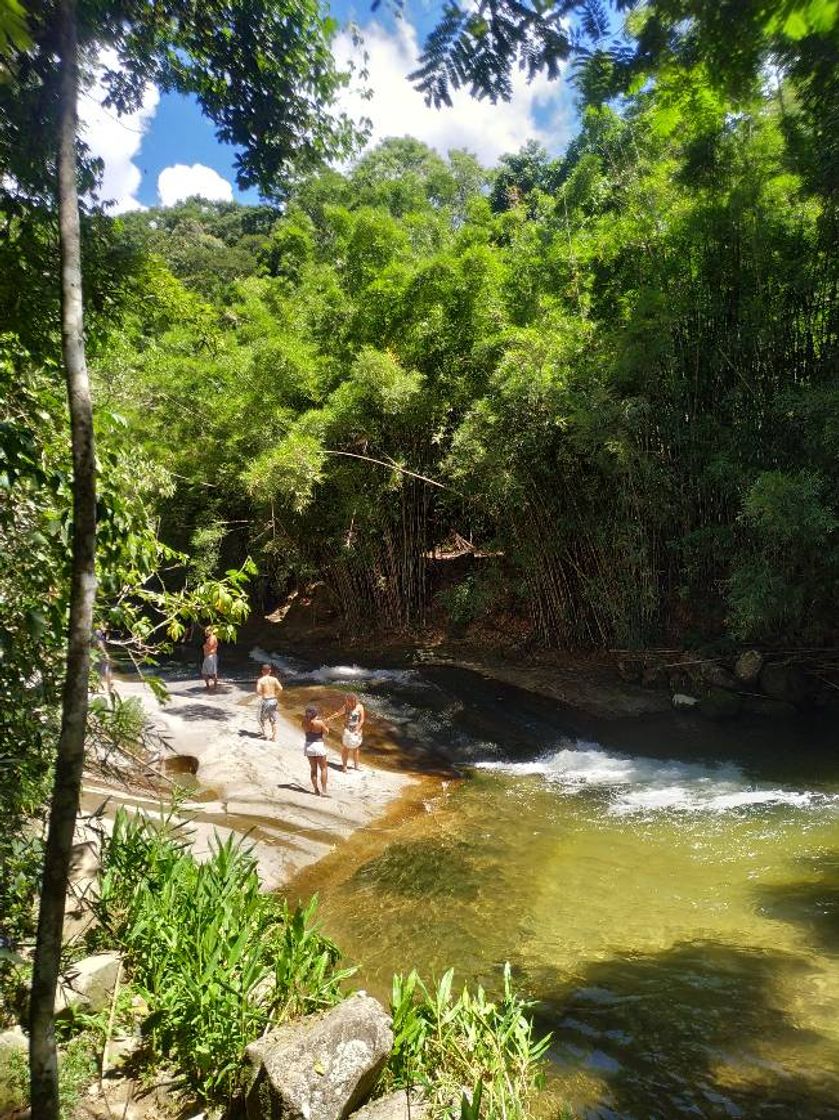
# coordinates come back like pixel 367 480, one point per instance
pixel 395 467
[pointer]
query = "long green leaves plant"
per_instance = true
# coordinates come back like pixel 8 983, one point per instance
pixel 218 961
pixel 445 1044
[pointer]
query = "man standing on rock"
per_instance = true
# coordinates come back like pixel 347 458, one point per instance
pixel 268 689
pixel 209 667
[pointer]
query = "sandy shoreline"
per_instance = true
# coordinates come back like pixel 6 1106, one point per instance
pixel 249 785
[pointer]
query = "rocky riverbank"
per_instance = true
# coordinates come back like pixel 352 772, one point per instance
pixel 245 784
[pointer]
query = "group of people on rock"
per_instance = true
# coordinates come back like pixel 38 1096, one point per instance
pixel 315 726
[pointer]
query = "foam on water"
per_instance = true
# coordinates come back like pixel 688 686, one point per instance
pixel 288 666
pixel 644 785
pixel 335 674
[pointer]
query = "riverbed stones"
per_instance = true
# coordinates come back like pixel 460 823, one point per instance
pixel 322 1067
pixel 719 705
pixel 400 1105
pixel 717 676
pixel 88 984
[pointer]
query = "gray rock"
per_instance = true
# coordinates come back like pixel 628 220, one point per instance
pixel 655 676
pixel 788 683
pixel 14 1039
pixel 88 984
pixel 681 700
pixel 630 669
pixel 395 1106
pixel 748 665
pixel 120 1049
pixel 321 1067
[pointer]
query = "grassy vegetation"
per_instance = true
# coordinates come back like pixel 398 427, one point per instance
pixel 77 1067
pixel 212 962
pixel 217 960
pixel 446 1044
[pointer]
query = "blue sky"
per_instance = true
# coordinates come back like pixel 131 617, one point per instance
pixel 168 150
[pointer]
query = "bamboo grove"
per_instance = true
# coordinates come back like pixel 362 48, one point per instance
pixel 614 372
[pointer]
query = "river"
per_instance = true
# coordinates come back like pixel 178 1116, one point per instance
pixel 665 890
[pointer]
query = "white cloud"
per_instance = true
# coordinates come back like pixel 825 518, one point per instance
pixel 181 181
pixel 397 109
pixel 116 140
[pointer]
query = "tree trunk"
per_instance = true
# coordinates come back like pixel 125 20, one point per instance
pixel 70 758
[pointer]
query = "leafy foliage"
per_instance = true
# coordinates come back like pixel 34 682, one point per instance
pixel 217 960
pixel 598 360
pixel 443 1043
pixel 142 610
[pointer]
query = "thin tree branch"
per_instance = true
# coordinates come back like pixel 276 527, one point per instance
pixel 394 467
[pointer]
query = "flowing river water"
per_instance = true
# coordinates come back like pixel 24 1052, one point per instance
pixel 665 890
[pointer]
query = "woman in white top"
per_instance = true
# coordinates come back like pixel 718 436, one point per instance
pixel 354 715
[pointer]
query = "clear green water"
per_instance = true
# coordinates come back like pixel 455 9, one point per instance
pixel 674 916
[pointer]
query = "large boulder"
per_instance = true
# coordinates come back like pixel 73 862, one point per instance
pixel 322 1067
pixel 88 984
pixel 748 665
pixel 400 1105
pixel 13 1039
pixel 82 889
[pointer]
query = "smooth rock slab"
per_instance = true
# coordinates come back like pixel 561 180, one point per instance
pixel 395 1106
pixel 321 1067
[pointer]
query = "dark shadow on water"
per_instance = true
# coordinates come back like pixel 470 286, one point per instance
pixel 200 711
pixel 697 1030
pixel 811 902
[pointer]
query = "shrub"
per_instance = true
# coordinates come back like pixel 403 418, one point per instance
pixel 445 1046
pixel 784 582
pixel 217 960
